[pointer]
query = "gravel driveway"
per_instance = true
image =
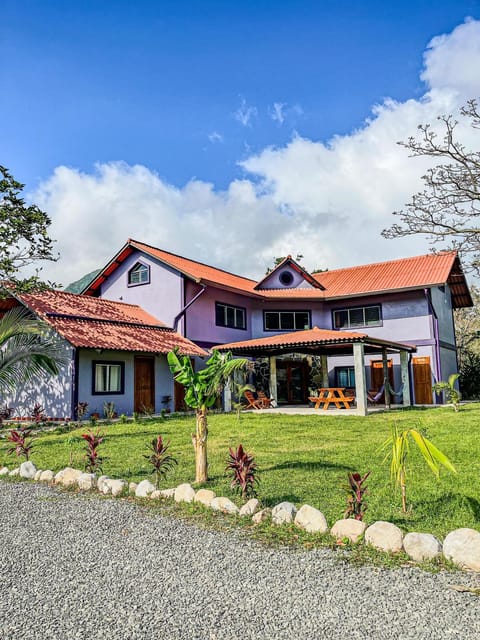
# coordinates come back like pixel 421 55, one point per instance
pixel 79 567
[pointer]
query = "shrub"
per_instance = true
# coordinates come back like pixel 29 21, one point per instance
pixel 356 490
pixel 160 460
pixel 93 462
pixel 243 469
pixel 21 441
pixel 38 413
pixel 6 413
pixel 82 408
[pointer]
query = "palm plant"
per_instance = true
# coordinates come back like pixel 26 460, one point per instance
pixel 202 388
pixel 398 448
pixel 452 394
pixel 25 350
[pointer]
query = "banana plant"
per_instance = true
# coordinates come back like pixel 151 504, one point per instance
pixel 202 388
pixel 398 448
pixel 452 394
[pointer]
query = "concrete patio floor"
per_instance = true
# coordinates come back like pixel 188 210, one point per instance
pixel 306 410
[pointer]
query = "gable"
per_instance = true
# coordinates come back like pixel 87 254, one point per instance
pixel 288 275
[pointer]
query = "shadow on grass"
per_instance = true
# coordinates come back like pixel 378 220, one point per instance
pixel 307 466
pixel 440 508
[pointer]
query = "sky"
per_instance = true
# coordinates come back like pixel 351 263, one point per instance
pixel 230 132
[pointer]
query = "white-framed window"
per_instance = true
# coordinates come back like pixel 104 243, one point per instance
pixel 226 315
pixel 108 377
pixel 370 316
pixel 286 320
pixel 139 274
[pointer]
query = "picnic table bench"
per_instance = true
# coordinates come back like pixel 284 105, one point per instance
pixel 332 395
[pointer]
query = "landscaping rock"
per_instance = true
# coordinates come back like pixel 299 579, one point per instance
pixel 14 472
pixel 87 481
pixel 250 507
pixel 144 489
pixel 102 485
pixel 348 528
pixel 462 547
pixel 283 513
pixel 261 516
pixel 37 475
pixel 167 493
pixel 384 536
pixel 132 487
pixel 184 493
pixel 47 476
pixel 205 496
pixel 27 470
pixel 224 504
pixel 155 495
pixel 116 487
pixel 421 546
pixel 68 477
pixel 4 471
pixel 311 519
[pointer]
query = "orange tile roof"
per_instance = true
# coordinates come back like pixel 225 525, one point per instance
pixel 105 324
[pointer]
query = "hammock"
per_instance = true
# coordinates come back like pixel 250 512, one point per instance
pixel 396 393
pixel 375 398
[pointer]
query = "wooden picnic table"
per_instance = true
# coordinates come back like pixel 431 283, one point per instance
pixel 332 395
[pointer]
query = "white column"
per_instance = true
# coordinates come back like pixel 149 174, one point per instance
pixel 273 378
pixel 405 373
pixel 386 379
pixel 360 378
pixel 324 366
pixel 227 397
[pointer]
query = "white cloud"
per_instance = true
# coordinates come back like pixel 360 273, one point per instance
pixel 328 201
pixel 215 137
pixel 277 114
pixel 245 113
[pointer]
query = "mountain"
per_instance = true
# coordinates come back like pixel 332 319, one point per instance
pixel 79 285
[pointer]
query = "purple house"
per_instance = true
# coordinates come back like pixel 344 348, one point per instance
pixel 385 321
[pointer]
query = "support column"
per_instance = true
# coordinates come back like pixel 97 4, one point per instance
pixel 324 367
pixel 227 397
pixel 273 378
pixel 386 379
pixel 360 378
pixel 405 374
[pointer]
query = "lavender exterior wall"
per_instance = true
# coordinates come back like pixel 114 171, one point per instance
pixel 123 403
pixel 274 282
pixel 162 296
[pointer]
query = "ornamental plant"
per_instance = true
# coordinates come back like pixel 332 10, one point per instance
pixel 356 490
pixel 38 413
pixel 161 461
pixel 93 462
pixel 243 470
pixel 21 441
pixel 452 395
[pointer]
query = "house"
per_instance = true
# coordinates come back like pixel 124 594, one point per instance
pixel 398 313
pixel 114 352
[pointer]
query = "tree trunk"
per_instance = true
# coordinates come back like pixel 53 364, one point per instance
pixel 404 492
pixel 199 440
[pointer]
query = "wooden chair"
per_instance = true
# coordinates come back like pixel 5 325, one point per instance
pixel 253 403
pixel 265 400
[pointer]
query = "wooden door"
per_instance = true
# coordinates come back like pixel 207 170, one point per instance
pixel 422 380
pixel 292 382
pixel 376 376
pixel 144 399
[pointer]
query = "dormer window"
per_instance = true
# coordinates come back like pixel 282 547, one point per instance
pixel 286 278
pixel 139 274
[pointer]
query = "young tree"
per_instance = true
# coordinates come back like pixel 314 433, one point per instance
pixel 23 233
pixel 202 388
pixel 448 208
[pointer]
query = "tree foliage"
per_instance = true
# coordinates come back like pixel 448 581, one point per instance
pixel 447 210
pixel 24 238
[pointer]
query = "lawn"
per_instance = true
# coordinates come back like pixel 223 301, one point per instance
pixel 305 459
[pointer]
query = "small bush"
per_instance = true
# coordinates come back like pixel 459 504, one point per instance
pixel 93 462
pixel 356 491
pixel 160 460
pixel 243 469
pixel 21 441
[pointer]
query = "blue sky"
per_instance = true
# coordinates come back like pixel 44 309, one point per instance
pixel 198 93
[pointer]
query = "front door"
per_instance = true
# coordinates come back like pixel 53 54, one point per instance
pixel 292 382
pixel 144 400
pixel 422 380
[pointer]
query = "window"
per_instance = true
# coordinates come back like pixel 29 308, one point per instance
pixel 286 278
pixel 358 317
pixel 228 316
pixel 286 320
pixel 139 274
pixel 108 378
pixel 345 376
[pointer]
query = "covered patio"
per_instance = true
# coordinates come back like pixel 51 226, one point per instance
pixel 324 343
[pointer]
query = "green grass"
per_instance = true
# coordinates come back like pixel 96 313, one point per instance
pixel 305 459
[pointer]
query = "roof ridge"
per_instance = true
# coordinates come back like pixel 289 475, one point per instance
pixel 374 264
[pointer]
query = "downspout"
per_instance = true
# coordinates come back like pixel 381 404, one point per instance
pixel 182 311
pixel 436 336
pixel 75 358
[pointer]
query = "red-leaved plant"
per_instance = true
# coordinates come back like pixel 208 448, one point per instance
pixel 243 469
pixel 38 413
pixel 161 461
pixel 356 491
pixel 21 441
pixel 93 462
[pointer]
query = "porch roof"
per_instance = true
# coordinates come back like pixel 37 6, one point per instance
pixel 313 341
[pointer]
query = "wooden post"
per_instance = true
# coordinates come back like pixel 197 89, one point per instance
pixel 324 366
pixel 405 374
pixel 273 378
pixel 360 378
pixel 386 380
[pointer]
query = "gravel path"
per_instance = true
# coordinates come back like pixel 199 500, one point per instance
pixel 90 569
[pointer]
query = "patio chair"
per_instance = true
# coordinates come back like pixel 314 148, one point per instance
pixel 373 396
pixel 265 400
pixel 253 403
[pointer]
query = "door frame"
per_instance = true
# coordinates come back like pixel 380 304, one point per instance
pixel 415 360
pixel 287 364
pixel 151 361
